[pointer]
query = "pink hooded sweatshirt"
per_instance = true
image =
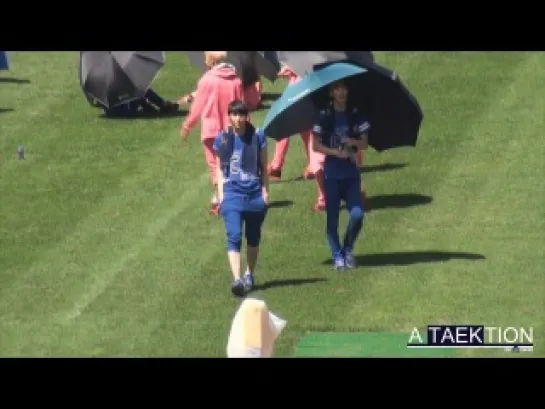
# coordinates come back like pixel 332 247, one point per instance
pixel 216 89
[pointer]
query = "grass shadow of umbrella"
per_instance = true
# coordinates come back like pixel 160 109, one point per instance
pixel 146 115
pixel 396 201
pixel 382 168
pixel 294 282
pixel 11 80
pixel 270 96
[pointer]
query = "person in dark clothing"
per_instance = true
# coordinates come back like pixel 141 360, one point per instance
pixel 151 102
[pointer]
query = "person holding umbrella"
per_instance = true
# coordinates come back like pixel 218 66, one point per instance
pixel 243 187
pixel 338 132
pixel 216 89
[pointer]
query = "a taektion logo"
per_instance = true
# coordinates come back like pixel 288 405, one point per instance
pixel 474 336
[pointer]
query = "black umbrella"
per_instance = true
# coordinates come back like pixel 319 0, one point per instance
pixel 268 64
pixel 303 62
pixel 115 77
pixel 394 114
pixel 250 65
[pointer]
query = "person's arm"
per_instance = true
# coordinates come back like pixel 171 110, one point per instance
pixel 219 170
pixel 219 179
pixel 196 108
pixel 263 158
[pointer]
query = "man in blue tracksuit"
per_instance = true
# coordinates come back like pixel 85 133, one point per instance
pixel 243 186
pixel 340 130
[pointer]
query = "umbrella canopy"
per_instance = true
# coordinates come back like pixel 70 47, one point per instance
pixel 250 65
pixel 269 64
pixel 303 62
pixel 115 77
pixel 394 114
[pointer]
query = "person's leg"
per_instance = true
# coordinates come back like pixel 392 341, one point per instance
pixel 276 165
pixel 208 146
pixel 360 162
pixel 253 221
pixel 306 138
pixel 333 208
pixel 354 205
pixel 232 217
pixel 126 109
pixel 154 98
pixel 320 204
pixel 316 167
pixel 159 102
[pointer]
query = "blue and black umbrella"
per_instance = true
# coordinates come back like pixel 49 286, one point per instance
pixel 394 114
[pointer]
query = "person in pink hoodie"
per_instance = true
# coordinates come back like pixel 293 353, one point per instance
pixel 216 89
pixel 315 160
pixel 281 149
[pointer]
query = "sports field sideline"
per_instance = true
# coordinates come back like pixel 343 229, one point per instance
pixel 106 247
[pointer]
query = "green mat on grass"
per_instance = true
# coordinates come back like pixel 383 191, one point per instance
pixel 362 344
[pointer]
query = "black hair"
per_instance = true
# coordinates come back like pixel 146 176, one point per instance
pixel 238 107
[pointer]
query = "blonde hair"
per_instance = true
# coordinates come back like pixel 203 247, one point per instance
pixel 212 58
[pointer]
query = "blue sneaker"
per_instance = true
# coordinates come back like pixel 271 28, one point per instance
pixel 339 263
pixel 248 281
pixel 349 260
pixel 237 288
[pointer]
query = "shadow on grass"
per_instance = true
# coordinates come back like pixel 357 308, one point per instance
pixel 145 115
pixel 280 203
pixel 406 258
pixel 262 107
pixel 366 169
pixel 6 110
pixel 268 96
pixel 396 201
pixel 11 80
pixel 382 168
pixel 295 282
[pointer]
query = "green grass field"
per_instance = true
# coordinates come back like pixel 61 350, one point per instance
pixel 106 248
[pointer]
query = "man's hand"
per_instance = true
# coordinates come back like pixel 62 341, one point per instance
pixel 341 154
pixel 265 195
pixel 186 99
pixel 184 133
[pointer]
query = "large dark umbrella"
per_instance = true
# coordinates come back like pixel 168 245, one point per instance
pixel 269 64
pixel 250 65
pixel 303 62
pixel 394 114
pixel 111 78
